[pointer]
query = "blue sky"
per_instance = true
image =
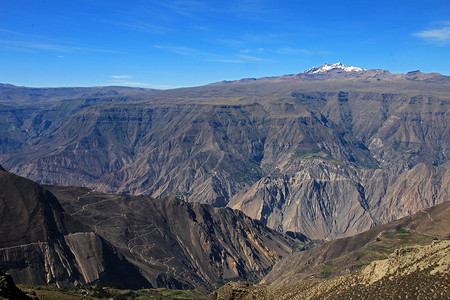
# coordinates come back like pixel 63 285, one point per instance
pixel 168 44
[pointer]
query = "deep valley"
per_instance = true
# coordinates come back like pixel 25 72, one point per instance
pixel 299 182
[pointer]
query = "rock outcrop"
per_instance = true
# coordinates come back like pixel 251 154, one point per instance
pixel 8 289
pixel 178 244
pixel 41 244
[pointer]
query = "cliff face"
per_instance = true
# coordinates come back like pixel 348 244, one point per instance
pixel 179 244
pixel 40 244
pixel 321 200
pixel 324 200
pixel 298 152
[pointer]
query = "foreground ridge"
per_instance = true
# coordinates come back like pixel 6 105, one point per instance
pixel 421 272
pixel 408 258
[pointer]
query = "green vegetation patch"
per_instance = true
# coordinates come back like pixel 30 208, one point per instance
pixel 407 149
pixel 327 270
pixel 387 243
pixel 299 247
pixel 315 154
pixel 182 195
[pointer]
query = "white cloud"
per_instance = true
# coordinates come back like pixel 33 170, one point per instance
pixel 120 76
pixel 177 49
pixel 441 35
pixel 122 80
pixel 128 83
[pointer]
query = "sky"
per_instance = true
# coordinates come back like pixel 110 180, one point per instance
pixel 182 43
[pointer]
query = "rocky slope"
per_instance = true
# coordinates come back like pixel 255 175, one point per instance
pixel 421 272
pixel 130 241
pixel 408 258
pixel 178 244
pixel 41 244
pixel 343 255
pixel 328 201
pixel 326 153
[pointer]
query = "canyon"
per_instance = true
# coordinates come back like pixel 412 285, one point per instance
pixel 328 153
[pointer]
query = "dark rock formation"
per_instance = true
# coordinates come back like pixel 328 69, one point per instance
pixel 9 290
pixel 178 244
pixel 41 244
pixel 135 241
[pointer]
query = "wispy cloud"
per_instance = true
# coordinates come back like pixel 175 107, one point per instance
pixel 128 83
pixel 136 25
pixel 121 76
pixel 185 7
pixel 137 84
pixel 133 83
pixel 224 60
pixel 260 49
pixel 249 58
pixel 8 31
pixel 294 51
pixel 440 35
pixel 33 45
pixel 177 49
pixel 240 59
pixel 122 80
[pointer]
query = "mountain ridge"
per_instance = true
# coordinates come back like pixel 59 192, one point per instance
pixel 313 72
pixel 340 71
pixel 336 142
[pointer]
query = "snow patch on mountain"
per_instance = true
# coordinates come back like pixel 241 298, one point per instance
pixel 337 66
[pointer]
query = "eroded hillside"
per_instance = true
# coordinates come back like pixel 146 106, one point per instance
pixel 326 154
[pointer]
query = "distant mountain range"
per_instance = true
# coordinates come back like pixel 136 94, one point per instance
pixel 328 152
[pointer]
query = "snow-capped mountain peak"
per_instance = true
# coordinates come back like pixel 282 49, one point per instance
pixel 337 66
